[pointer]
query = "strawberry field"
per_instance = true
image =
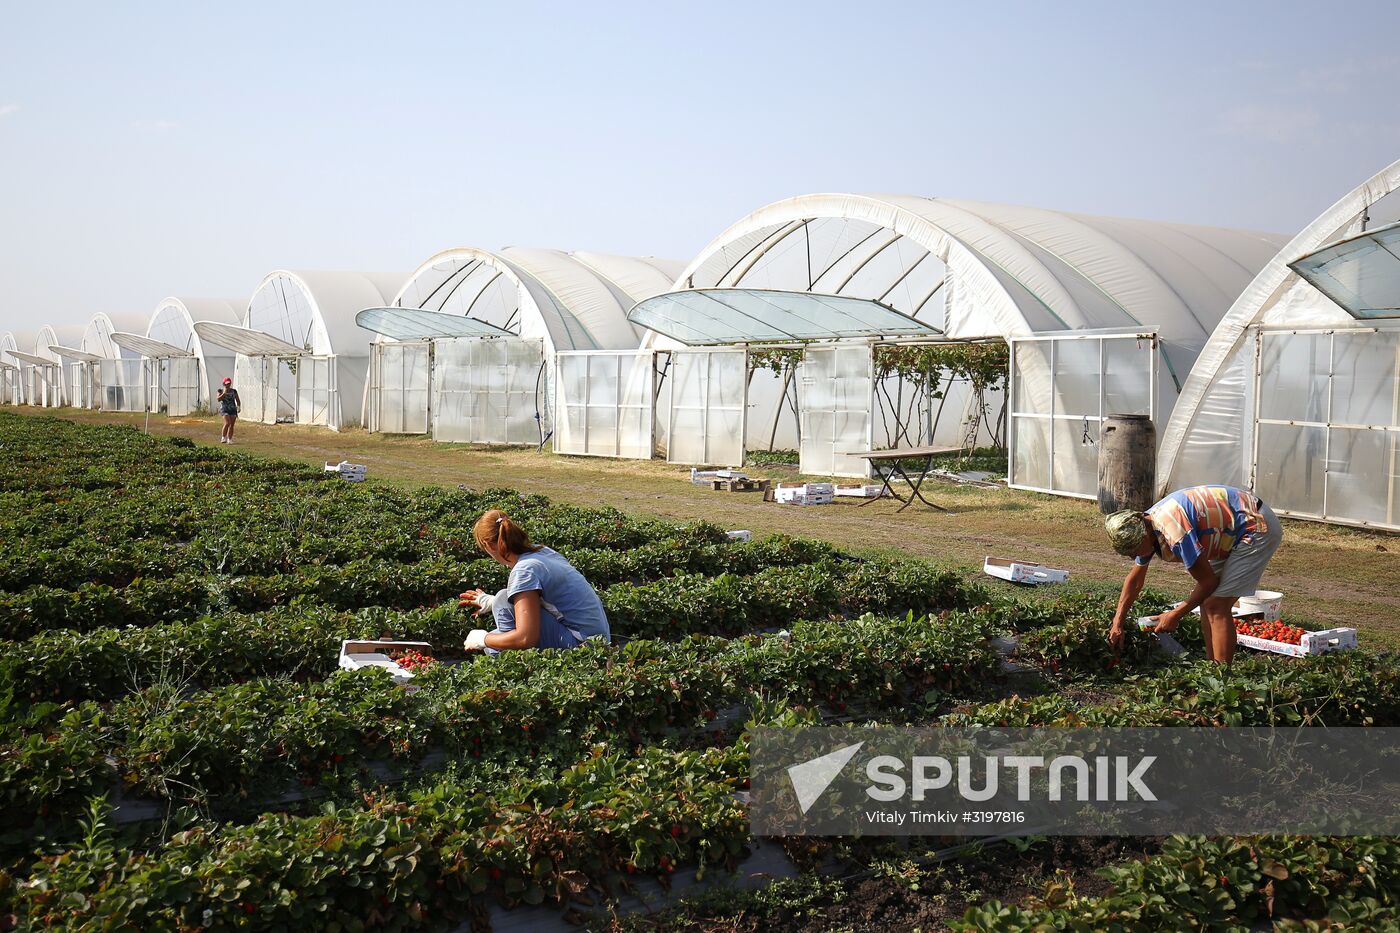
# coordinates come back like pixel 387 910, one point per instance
pixel 179 751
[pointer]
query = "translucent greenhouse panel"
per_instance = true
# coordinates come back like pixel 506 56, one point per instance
pixel 605 401
pixel 1076 380
pixel 1031 452
pixel 399 387
pixel 1289 475
pixel 488 391
pixel 708 407
pixel 1031 376
pixel 123 385
pixel 1363 476
pixel 1127 380
pixel 181 379
pixel 314 390
pixel 1293 377
pixel 83 379
pixel 1366 380
pixel 256 379
pixel 1075 467
pixel 836 401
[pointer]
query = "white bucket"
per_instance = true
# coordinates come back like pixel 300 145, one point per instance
pixel 1265 601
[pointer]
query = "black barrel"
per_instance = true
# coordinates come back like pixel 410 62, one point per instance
pixel 1127 463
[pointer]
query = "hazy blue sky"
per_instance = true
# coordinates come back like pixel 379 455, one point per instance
pixel 149 149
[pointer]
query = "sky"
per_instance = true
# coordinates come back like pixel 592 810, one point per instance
pixel 151 149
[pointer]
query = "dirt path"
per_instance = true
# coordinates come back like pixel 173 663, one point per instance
pixel 1330 575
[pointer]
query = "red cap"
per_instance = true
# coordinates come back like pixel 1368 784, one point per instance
pixel 228 381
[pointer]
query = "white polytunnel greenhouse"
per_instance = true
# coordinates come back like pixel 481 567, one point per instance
pixel 103 374
pixel 1297 393
pixel 473 346
pixel 1103 315
pixel 299 355
pixel 53 382
pixel 11 371
pixel 187 371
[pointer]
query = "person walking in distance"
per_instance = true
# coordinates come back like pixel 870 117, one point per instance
pixel 229 407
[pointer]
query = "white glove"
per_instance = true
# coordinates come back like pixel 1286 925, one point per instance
pixel 476 641
pixel 485 600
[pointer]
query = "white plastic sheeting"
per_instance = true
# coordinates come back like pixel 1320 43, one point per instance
pixel 1062 389
pixel 57 381
pixel 707 404
pixel 605 403
pixel 315 381
pixel 836 395
pixel 488 391
pixel 1361 273
pixel 1220 430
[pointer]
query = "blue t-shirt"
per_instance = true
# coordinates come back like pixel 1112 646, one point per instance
pixel 564 593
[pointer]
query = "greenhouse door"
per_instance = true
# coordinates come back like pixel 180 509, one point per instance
pixel 1062 388
pixel 399 376
pixel 315 390
pixel 488 390
pixel 708 407
pixel 256 378
pixel 179 378
pixel 836 394
pixel 604 402
pixel 1327 424
pixel 123 385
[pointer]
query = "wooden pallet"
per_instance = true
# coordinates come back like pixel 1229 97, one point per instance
pixel 740 485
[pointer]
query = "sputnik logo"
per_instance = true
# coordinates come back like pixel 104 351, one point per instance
pixel 811 778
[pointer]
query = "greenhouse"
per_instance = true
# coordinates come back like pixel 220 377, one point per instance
pixel 104 374
pixel 299 355
pixel 53 381
pixel 1103 315
pixel 1297 393
pixel 469 348
pixel 11 372
pixel 185 383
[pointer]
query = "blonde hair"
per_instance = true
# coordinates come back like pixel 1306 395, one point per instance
pixel 496 530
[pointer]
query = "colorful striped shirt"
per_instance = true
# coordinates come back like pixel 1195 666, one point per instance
pixel 1204 521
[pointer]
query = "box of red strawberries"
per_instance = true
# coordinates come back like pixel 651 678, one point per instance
pixel 1282 638
pixel 400 658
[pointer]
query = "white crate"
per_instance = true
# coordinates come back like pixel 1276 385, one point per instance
pixel 805 493
pixel 705 477
pixel 1023 571
pixel 739 535
pixel 867 491
pixel 356 654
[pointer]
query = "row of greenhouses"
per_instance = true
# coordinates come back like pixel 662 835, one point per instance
pixel 833 324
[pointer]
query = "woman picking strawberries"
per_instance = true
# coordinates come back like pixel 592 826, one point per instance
pixel 547 603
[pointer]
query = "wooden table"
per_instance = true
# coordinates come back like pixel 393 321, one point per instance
pixel 886 464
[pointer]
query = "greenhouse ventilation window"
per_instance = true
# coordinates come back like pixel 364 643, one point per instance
pixel 245 340
pixel 147 347
pixel 1360 273
pixel 74 355
pixel 722 316
pixel 421 324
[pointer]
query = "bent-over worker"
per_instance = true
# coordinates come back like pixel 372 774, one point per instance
pixel 1223 536
pixel 547 603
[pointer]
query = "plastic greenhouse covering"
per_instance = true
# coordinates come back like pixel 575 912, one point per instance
pixel 315 385
pixel 604 403
pixel 1062 388
pixel 489 391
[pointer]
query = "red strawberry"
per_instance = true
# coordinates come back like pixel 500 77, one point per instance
pixel 675 832
pixel 495 874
